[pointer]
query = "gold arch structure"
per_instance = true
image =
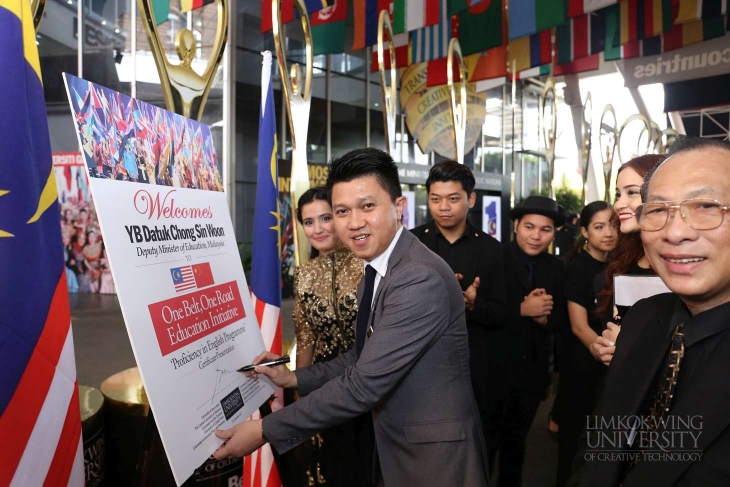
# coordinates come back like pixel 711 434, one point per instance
pixel 457 106
pixel 586 131
pixel 298 98
pixel 37 7
pixel 650 139
pixel 184 90
pixel 387 91
pixel 549 134
pixel 608 131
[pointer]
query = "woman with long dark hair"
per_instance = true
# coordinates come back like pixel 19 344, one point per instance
pixel 628 256
pixel 325 310
pixel 579 373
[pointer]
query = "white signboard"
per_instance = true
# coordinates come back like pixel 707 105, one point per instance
pixel 492 216
pixel 629 289
pixel 176 266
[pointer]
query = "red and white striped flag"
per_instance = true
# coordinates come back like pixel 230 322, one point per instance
pixel 40 422
pixel 259 469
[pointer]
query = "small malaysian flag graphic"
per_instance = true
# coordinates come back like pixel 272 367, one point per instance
pixel 183 278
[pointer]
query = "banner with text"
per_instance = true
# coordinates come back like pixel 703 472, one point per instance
pixel 701 60
pixel 176 266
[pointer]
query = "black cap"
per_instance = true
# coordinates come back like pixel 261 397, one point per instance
pixel 539 205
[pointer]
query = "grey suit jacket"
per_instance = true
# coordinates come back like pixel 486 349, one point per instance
pixel 413 375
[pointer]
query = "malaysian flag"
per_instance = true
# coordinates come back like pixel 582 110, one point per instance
pixel 259 469
pixel 40 423
pixel 183 278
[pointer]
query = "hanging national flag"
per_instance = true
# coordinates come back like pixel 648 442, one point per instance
pixel 288 12
pixel 367 14
pixel 582 36
pixel 40 422
pixel 641 19
pixel 647 47
pixel 527 17
pixel 328 29
pixel 535 72
pixel 188 5
pixel 529 52
pixel 689 10
pixel 577 8
pixel 259 469
pixel 589 63
pixel 432 42
pixel 402 49
pixel 455 6
pixel 488 65
pixel 693 32
pixel 410 15
pixel 481 26
pixel 657 17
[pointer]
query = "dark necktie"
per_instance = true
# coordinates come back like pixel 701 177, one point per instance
pixel 364 306
pixel 531 264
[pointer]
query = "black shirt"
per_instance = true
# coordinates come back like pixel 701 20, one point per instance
pixel 473 254
pixel 579 277
pixel 702 333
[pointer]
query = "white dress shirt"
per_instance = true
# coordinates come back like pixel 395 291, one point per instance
pixel 380 263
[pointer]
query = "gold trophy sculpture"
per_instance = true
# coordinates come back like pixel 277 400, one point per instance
pixel 650 137
pixel 586 131
pixel 185 91
pixel 608 133
pixel 298 99
pixel 458 106
pixel 666 139
pixel 387 92
pixel 37 7
pixel 549 131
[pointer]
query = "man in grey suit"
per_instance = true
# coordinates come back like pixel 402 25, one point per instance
pixel 410 366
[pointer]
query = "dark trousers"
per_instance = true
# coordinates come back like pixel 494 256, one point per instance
pixel 506 425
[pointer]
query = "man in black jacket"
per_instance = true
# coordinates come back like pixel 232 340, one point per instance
pixel 663 415
pixel 475 258
pixel 518 352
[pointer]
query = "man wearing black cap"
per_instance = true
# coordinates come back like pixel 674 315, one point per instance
pixel 520 349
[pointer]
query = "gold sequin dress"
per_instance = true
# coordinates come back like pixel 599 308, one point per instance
pixel 325 304
pixel 325 313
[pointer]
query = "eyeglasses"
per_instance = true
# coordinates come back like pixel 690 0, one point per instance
pixel 697 213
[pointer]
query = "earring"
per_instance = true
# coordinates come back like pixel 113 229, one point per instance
pixel 586 246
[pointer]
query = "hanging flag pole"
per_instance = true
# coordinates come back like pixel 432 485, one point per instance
pixel 298 99
pixel 387 91
pixel 607 132
pixel 457 105
pixel 586 130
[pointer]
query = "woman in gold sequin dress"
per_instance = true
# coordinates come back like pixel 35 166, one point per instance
pixel 325 310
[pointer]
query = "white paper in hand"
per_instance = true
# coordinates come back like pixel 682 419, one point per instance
pixel 627 289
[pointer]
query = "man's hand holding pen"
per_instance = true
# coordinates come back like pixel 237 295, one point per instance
pixel 280 375
pixel 247 437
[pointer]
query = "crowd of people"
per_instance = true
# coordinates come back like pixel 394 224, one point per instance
pixel 422 357
pixel 129 140
pixel 87 266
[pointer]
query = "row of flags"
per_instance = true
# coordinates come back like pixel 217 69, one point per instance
pixel 489 33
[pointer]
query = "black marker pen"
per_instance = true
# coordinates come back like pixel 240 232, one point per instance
pixel 280 361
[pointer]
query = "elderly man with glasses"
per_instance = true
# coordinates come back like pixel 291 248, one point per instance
pixel 664 415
